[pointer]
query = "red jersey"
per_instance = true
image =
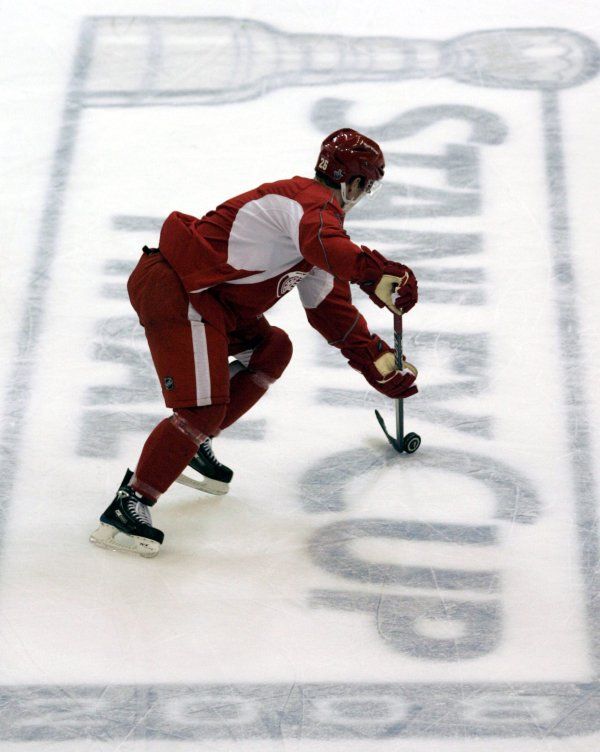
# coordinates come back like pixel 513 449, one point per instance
pixel 256 247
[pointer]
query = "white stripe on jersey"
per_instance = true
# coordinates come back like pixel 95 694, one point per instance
pixel 264 237
pixel 201 366
pixel 315 287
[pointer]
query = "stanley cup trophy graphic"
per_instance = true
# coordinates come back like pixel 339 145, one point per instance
pixel 221 60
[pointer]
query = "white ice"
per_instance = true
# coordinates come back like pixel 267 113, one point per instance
pixel 340 596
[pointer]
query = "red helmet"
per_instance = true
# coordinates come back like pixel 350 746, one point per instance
pixel 346 154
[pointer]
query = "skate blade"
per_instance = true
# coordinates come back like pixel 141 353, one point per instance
pixel 107 536
pixel 208 485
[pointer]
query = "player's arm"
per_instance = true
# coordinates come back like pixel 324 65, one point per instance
pixel 329 309
pixel 324 243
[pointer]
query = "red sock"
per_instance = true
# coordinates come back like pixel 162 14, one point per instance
pixel 267 362
pixel 171 445
pixel 245 391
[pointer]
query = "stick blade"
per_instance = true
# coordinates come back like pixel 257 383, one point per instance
pixel 391 439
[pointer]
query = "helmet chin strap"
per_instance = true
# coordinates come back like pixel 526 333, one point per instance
pixel 347 203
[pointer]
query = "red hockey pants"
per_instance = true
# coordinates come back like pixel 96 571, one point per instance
pixel 191 338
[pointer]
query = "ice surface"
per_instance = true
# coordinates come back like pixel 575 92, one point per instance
pixel 340 596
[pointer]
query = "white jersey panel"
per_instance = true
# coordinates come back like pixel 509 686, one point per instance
pixel 264 236
pixel 315 287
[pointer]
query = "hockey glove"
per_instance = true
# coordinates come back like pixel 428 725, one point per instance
pixel 383 375
pixel 387 283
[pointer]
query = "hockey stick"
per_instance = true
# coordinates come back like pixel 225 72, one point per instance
pixel 412 441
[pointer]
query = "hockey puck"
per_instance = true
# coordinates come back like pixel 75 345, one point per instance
pixel 412 441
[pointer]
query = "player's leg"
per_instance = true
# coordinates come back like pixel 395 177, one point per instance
pixel 258 364
pixel 190 357
pixel 127 523
pixel 262 353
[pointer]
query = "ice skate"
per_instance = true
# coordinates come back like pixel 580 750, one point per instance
pixel 127 525
pixel 212 476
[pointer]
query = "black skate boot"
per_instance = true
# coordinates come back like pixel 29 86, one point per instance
pixel 127 525
pixel 216 476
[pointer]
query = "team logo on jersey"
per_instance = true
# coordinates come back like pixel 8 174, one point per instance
pixel 169 383
pixel 289 281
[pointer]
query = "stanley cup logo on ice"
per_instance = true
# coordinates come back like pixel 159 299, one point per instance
pixel 219 60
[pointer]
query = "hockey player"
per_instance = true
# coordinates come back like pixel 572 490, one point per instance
pixel 201 298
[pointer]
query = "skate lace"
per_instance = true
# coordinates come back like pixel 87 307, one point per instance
pixel 207 449
pixel 139 511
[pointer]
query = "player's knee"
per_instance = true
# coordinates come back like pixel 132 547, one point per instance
pixel 199 422
pixel 272 356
